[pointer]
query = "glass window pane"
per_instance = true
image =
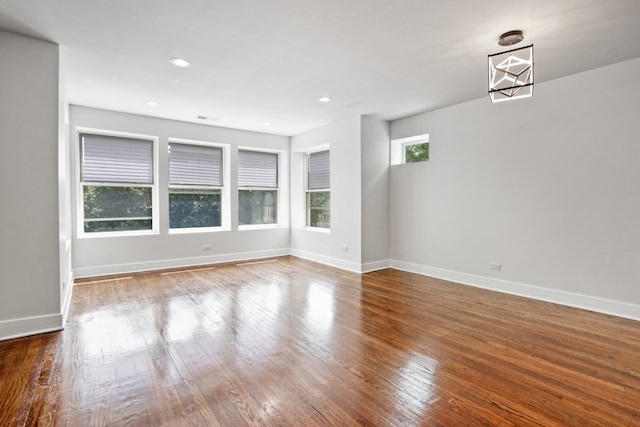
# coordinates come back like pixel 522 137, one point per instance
pixel 416 152
pixel 257 207
pixel 116 202
pixel 318 209
pixel 194 208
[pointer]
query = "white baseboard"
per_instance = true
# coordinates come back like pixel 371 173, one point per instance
pixel 106 270
pixel 368 267
pixel 16 328
pixel 586 302
pixel 323 259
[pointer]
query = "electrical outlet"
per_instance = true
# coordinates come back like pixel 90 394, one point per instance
pixel 345 248
pixel 206 247
pixel 495 266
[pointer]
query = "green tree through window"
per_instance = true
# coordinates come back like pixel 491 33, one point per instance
pixel 194 208
pixel 416 152
pixel 109 208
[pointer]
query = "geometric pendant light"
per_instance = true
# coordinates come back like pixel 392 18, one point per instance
pixel 511 72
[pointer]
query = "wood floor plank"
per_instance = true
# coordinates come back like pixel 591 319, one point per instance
pixel 293 343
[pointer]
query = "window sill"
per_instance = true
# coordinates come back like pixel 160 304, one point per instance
pixel 318 229
pixel 103 234
pixel 197 230
pixel 259 227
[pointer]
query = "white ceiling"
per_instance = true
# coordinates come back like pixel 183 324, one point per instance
pixel 257 61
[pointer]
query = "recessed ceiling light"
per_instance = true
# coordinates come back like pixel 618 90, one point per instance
pixel 267 124
pixel 324 99
pixel 213 119
pixel 180 62
pixel 152 103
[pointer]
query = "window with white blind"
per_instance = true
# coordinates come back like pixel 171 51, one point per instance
pixel 195 185
pixel 257 187
pixel 117 184
pixel 318 194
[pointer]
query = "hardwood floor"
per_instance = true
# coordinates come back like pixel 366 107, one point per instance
pixel 293 343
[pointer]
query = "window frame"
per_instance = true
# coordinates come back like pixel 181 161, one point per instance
pixel 79 202
pixel 307 158
pixel 279 194
pixel 398 148
pixel 224 189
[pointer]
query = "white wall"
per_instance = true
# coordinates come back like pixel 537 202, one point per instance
pixel 29 263
pixel 375 193
pixel 343 138
pixel 546 186
pixel 109 255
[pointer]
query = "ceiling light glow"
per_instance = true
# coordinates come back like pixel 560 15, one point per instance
pixel 180 62
pixel 324 99
pixel 152 103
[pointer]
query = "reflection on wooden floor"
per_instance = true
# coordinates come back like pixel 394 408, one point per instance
pixel 300 344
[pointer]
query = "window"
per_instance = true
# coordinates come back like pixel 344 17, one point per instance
pixel 195 186
pixel 318 195
pixel 257 187
pixel 117 184
pixel 418 152
pixel 413 149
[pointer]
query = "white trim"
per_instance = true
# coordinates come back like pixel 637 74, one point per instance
pixel 316 229
pixel 258 227
pixel 16 328
pixel 368 267
pixel 260 149
pixel 411 139
pixel 106 270
pixel 313 149
pixel 585 302
pixel 195 142
pixel 323 259
pixel 66 302
pixel 128 233
pixel 193 230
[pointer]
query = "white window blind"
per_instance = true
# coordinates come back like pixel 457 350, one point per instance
pixel 195 165
pixel 257 169
pixel 319 169
pixel 116 159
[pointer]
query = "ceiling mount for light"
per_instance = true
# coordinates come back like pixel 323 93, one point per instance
pixel 511 72
pixel 510 38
